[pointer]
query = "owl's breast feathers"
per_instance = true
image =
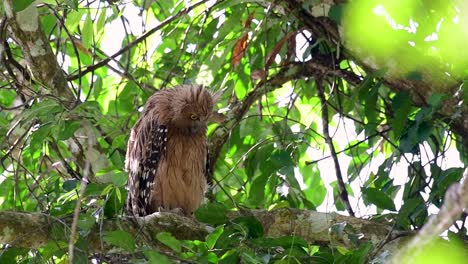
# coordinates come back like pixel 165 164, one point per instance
pixel 181 180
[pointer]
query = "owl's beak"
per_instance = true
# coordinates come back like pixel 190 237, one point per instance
pixel 216 117
pixel 197 126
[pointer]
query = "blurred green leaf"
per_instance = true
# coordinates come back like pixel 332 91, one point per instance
pixel 67 129
pixel 20 5
pixel 254 227
pixel 86 221
pixel 70 185
pixel 120 239
pixel 336 12
pixel 379 198
pixel 87 32
pixel 170 241
pixel 156 257
pixel 212 213
pixel 402 106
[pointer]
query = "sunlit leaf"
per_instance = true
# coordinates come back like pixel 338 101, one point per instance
pixel 87 32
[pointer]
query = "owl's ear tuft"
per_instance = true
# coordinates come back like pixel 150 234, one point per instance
pixel 216 95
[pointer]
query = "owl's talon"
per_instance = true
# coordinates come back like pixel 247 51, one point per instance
pixel 173 210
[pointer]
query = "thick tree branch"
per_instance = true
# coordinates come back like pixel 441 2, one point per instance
pixel 33 230
pixel 25 29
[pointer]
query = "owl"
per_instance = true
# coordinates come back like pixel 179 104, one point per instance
pixel 167 158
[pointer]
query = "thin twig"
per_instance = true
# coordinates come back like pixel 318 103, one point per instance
pixel 341 184
pixel 76 213
pixel 136 41
pixel 350 146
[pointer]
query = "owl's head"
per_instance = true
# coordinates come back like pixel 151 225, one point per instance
pixel 192 107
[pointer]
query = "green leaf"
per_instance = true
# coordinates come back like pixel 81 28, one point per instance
pixel 230 257
pixel 212 213
pixel 284 242
pixel 46 108
pixel 113 204
pixel 67 129
pixel 213 237
pixel 39 137
pixel 86 221
pixel 72 3
pixel 120 239
pixel 94 189
pixel 170 241
pixel 379 198
pixel 58 233
pixel 101 21
pixel 257 190
pixel 156 257
pixel 436 99
pixel 19 5
pixel 97 87
pixel 401 106
pixel 254 227
pixel 282 158
pixel 315 190
pixel 69 185
pixel 240 89
pixel 12 254
pixel 81 251
pixel 407 209
pixel 87 32
pixel 119 179
pixel 336 12
pixel 371 108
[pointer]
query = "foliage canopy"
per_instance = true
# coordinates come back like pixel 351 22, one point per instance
pixel 312 120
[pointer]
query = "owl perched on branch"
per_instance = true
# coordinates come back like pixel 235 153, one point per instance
pixel 166 156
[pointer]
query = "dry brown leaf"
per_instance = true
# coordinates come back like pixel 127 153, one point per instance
pixel 241 44
pixel 271 57
pixel 81 47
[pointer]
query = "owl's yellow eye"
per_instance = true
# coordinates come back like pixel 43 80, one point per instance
pixel 194 117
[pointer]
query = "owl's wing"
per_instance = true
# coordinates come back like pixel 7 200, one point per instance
pixel 145 148
pixel 208 169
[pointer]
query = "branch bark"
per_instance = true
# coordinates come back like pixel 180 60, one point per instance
pixel 328 139
pixel 34 230
pixel 25 29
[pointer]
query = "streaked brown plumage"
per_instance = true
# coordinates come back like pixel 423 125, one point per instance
pixel 166 154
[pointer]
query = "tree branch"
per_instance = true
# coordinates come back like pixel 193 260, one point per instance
pixel 314 15
pixel 34 230
pixel 26 30
pixel 319 66
pixel 136 41
pixel 339 176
